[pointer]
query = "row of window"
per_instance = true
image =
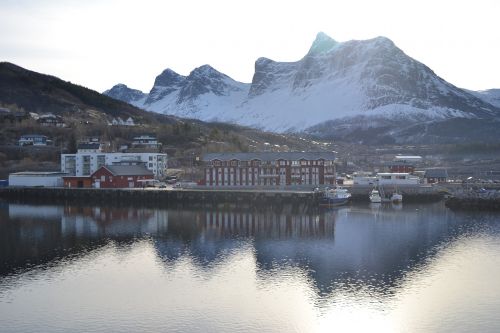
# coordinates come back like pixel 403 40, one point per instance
pixel 278 162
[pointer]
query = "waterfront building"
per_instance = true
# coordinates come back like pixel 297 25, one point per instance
pixel 269 169
pixel 37 178
pixel 121 176
pixel 404 164
pixel 363 178
pixel 86 163
pixel 396 178
pixel 436 175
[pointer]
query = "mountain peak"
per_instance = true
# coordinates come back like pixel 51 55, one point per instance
pixel 205 70
pixel 121 92
pixel 322 44
pixel 167 78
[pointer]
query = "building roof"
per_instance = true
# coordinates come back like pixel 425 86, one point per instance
pixel 270 156
pixel 40 173
pixel 436 173
pixel 128 170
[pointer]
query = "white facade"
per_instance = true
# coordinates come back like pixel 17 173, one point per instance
pixel 85 164
pixel 44 179
pixel 387 178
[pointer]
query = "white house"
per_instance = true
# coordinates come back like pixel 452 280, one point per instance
pixel 86 163
pixel 33 140
pixel 397 178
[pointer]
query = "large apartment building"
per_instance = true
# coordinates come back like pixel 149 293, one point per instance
pixel 269 169
pixel 85 163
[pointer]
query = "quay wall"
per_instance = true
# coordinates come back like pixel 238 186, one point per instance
pixel 472 203
pixel 153 197
pixel 163 197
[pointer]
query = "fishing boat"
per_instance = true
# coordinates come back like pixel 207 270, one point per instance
pixel 335 197
pixel 375 196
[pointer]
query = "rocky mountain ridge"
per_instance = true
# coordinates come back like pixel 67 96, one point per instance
pixel 328 91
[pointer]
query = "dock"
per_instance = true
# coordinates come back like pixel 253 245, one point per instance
pixel 197 196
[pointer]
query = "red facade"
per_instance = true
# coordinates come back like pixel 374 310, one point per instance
pixel 104 178
pixel 280 172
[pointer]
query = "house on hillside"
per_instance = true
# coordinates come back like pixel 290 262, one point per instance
pixel 120 122
pixel 33 140
pixel 146 141
pixel 51 120
pixel 121 176
pixel 89 147
pixel 9 115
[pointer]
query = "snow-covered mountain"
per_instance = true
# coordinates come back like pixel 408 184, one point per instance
pixel 351 85
pixel 126 94
pixel 491 96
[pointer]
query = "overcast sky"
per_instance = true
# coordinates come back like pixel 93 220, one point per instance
pixel 100 43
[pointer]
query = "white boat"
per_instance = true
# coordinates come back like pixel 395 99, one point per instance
pixel 335 197
pixel 397 197
pixel 375 196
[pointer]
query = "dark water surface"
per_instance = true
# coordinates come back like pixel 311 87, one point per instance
pixel 415 268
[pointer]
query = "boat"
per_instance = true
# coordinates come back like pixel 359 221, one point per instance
pixel 335 197
pixel 396 197
pixel 375 196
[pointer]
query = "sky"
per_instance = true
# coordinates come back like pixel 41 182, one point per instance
pixel 99 43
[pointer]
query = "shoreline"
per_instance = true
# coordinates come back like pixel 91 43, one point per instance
pixel 162 197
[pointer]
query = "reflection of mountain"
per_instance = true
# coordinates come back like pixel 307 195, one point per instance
pixel 375 247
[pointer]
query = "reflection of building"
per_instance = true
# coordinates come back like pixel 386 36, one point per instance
pixel 267 224
pixel 269 169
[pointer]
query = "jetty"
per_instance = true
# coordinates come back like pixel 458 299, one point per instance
pixel 474 199
pixel 198 195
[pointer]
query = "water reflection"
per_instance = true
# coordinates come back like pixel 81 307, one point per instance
pixel 319 265
pixel 374 245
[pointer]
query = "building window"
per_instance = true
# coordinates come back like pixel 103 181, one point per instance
pixel 103 178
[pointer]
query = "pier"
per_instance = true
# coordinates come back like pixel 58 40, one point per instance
pixel 199 196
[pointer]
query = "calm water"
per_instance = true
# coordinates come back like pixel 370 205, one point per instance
pixel 416 268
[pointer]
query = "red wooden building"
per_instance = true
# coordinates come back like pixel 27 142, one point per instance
pixel 269 169
pixel 76 181
pixel 121 176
